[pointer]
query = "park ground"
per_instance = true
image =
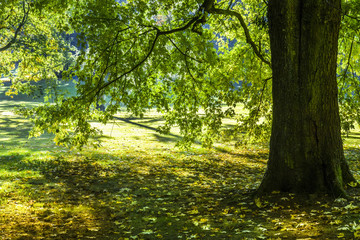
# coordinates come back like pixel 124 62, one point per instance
pixel 138 185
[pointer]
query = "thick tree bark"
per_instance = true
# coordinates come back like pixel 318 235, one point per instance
pixel 306 152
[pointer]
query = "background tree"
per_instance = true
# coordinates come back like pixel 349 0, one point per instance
pixel 189 57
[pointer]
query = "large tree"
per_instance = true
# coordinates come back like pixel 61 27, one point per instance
pixel 306 152
pixel 192 57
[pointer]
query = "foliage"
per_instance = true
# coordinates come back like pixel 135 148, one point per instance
pixel 161 55
pixel 197 62
pixel 33 46
pixel 348 70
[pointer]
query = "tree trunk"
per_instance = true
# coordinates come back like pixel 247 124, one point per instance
pixel 306 152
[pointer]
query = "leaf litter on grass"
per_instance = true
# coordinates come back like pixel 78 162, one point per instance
pixel 141 188
pixel 159 196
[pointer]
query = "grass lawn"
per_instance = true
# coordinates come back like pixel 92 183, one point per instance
pixel 139 186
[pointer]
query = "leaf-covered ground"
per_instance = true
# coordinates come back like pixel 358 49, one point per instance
pixel 139 186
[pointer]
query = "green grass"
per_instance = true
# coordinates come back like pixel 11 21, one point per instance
pixel 138 185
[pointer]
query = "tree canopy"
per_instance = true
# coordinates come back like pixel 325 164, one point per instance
pixel 195 61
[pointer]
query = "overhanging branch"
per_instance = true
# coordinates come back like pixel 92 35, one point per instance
pixel 98 90
pixel 158 34
pixel 206 7
pixel 228 12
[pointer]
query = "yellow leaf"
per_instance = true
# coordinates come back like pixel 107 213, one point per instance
pixel 352 184
pixel 357 234
pixel 194 211
pixel 341 235
pixel 258 202
pixel 336 222
pixel 226 211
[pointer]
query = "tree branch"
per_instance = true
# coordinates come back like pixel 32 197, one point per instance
pixel 184 54
pixel 352 17
pixel 246 31
pixel 262 93
pixel 98 89
pixel 199 16
pixel 158 34
pixel 190 23
pixel 22 23
pixel 347 65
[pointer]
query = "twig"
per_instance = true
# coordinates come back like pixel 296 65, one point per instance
pixel 347 65
pixel 184 54
pixel 262 94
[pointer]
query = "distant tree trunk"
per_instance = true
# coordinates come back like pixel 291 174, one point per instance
pixel 306 152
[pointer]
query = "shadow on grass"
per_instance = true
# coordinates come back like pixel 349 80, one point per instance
pixel 353 136
pixel 130 195
pixel 166 138
pixel 116 197
pixel 14 135
pixel 143 125
pixel 119 196
pixel 141 196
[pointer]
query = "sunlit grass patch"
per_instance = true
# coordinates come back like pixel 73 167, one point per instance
pixel 32 220
pixel 138 185
pixel 138 192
